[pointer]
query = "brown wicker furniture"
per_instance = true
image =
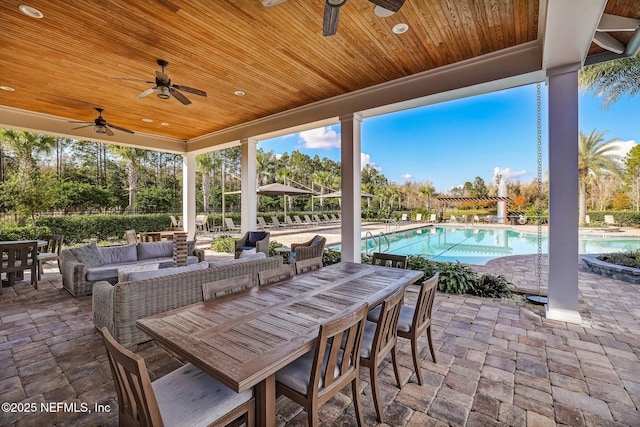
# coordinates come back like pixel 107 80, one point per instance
pixel 290 313
pixel 119 306
pixel 258 240
pixel 19 256
pixel 320 374
pixel 79 274
pixel 379 340
pixel 311 249
pixel 186 395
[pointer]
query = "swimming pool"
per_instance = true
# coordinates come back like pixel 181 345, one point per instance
pixel 477 245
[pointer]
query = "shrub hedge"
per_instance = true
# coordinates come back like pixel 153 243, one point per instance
pixel 22 233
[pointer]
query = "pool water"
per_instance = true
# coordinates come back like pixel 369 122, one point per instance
pixel 477 246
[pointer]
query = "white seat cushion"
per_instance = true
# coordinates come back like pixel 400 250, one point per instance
pixel 188 396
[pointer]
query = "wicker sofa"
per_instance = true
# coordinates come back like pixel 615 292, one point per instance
pixel 82 267
pixel 117 307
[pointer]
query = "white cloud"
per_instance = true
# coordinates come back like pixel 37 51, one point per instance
pixel 278 156
pixel 322 138
pixel 507 173
pixel 622 148
pixel 406 176
pixel 365 160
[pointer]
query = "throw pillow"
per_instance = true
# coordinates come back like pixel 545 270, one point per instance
pixel 123 272
pixel 88 255
pixel 316 240
pixel 118 254
pixel 247 252
pixel 254 237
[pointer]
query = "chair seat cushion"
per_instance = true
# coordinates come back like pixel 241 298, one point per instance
pixel 404 321
pixel 367 339
pixel 110 271
pixel 190 396
pixel 246 248
pixel 296 375
pixel 47 256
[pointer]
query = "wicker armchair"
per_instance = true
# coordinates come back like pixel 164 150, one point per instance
pixel 253 239
pixel 311 249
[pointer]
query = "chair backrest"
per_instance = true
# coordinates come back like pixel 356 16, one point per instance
pixel 288 220
pixel 275 220
pixel 418 217
pixel 608 219
pixel 307 219
pixel 54 243
pixel 223 287
pixel 587 219
pixel 347 329
pixel 424 303
pixel 334 218
pixel 307 265
pixel 404 217
pixel 19 256
pixel 326 218
pixel 131 236
pixel 386 334
pixel 262 222
pixel 433 218
pixel 174 221
pixel 476 218
pixel 229 223
pixel 316 218
pixel 275 275
pixel 389 260
pixel 298 220
pixel 137 404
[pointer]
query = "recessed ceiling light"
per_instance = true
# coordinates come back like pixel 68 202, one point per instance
pixel 400 28
pixel 7 88
pixel 382 12
pixel 31 12
pixel 239 93
pixel 146 120
pixel 164 124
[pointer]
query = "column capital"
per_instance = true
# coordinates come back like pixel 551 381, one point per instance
pixel 564 69
pixel 249 141
pixel 351 116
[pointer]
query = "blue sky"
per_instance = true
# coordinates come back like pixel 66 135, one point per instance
pixel 453 142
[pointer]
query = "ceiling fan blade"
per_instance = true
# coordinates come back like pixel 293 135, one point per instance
pixel 120 128
pixel 79 122
pixel 147 92
pixel 330 20
pixel 108 131
pixel 180 97
pixel 162 77
pixel 392 5
pixel 85 126
pixel 191 90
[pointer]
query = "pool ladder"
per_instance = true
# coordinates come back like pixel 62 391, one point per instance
pixel 390 223
pixel 377 242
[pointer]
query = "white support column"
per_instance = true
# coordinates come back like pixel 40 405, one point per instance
pixel 351 193
pixel 563 194
pixel 189 194
pixel 248 198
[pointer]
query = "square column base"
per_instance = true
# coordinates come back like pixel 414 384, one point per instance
pixel 568 316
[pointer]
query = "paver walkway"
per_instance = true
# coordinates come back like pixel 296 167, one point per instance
pixel 500 362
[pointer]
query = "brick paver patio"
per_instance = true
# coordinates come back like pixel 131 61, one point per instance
pixel 500 362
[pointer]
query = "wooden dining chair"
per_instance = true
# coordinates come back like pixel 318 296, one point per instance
pixel 49 252
pixel 223 287
pixel 307 265
pixel 184 396
pixel 18 257
pixel 151 236
pixel 380 339
pixel 414 321
pixel 389 260
pixel 275 275
pixel 320 374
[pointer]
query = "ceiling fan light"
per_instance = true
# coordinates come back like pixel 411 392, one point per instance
pixel 100 128
pixel 382 12
pixel 163 92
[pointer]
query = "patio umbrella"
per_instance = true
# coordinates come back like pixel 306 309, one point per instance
pixel 277 189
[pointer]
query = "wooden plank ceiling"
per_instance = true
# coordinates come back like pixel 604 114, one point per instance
pixel 69 62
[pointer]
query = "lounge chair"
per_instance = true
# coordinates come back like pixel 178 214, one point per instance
pixel 289 222
pixel 433 218
pixel 418 217
pixel 609 220
pixel 317 219
pixel 326 219
pixel 262 223
pixel 202 222
pixel 276 222
pixel 230 226
pixel 404 218
pixel 587 220
pixel 453 218
pixel 309 221
pixel 298 221
pixel 334 218
pixel 475 219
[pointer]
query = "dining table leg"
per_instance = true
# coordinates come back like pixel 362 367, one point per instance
pixel 265 394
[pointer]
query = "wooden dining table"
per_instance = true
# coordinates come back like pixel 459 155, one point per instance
pixel 244 338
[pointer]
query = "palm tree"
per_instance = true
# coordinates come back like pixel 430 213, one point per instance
pixel 595 157
pixel 612 79
pixel 427 190
pixel 132 157
pixel 25 145
pixel 206 164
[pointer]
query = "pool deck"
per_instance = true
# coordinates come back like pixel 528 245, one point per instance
pixel 499 362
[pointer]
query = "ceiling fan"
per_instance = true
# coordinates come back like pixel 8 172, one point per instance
pixel 332 12
pixel 610 23
pixel 165 88
pixel 100 125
